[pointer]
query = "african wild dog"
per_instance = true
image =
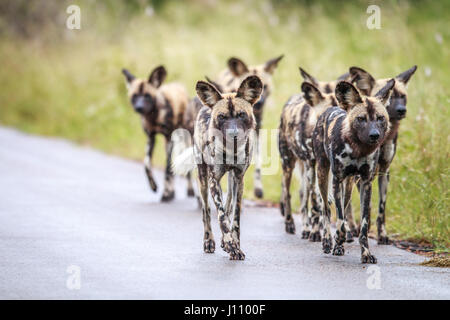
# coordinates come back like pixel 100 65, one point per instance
pixel 347 140
pixel 162 110
pixel 324 86
pixel 298 118
pixel 223 141
pixel 229 81
pixel 396 109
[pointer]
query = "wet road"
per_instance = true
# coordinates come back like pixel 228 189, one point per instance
pixel 76 223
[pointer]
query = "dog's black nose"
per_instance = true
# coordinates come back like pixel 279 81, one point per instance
pixel 374 135
pixel 401 111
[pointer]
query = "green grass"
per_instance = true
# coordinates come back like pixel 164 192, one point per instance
pixel 68 83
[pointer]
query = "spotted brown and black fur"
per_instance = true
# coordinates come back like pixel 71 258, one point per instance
pixel 162 109
pixel 346 144
pixel 223 141
pixel 324 86
pixel 229 81
pixel 298 119
pixel 396 109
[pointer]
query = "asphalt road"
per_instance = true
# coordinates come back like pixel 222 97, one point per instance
pixel 79 224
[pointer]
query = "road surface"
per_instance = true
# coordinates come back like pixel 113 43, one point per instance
pixel 79 224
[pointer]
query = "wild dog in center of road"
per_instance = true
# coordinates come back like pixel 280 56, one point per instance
pixel 396 109
pixel 223 142
pixel 298 118
pixel 230 79
pixel 347 140
pixel 161 108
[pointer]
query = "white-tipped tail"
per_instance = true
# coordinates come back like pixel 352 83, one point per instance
pixel 183 162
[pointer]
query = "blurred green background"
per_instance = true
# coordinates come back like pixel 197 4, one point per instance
pixel 60 82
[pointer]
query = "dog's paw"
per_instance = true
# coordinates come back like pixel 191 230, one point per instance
pixel 338 250
pixel 290 227
pixel 168 196
pixel 384 240
pixel 368 258
pixel 305 234
pixel 259 193
pixel 315 236
pixel 209 246
pixel 326 245
pixel 237 254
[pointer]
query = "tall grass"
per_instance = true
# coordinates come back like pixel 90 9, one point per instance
pixel 67 83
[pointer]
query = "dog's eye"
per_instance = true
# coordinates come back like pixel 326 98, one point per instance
pixel 147 96
pixel 361 119
pixel 221 117
pixel 242 115
pixel 380 118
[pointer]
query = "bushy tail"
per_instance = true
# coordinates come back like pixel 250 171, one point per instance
pixel 183 162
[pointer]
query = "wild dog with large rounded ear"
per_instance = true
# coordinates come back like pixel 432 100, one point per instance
pixel 272 64
pixel 347 95
pixel 128 77
pixel 311 94
pixel 250 89
pixel 363 79
pixel 385 93
pixel 237 66
pixel 157 76
pixel 406 75
pixel 207 93
pixel 307 77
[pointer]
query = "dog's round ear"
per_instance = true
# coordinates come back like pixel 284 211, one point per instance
pixel 384 93
pixel 207 93
pixel 237 66
pixel 250 89
pixel 311 94
pixel 406 75
pixel 362 79
pixel 157 76
pixel 347 95
pixel 128 76
pixel 307 77
pixel 272 64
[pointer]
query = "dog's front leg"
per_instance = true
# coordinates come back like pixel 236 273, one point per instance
pixel 383 181
pixel 339 238
pixel 365 198
pixel 257 182
pixel 316 203
pixel 238 188
pixel 228 244
pixel 148 161
pixel 169 192
pixel 208 238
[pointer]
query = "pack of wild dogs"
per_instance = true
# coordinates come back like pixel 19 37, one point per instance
pixel 340 133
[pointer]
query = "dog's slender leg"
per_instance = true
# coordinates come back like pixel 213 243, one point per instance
pixel 304 200
pixel 148 161
pixel 365 198
pixel 230 190
pixel 257 182
pixel 238 187
pixel 288 167
pixel 316 204
pixel 169 192
pixel 323 168
pixel 190 186
pixel 228 243
pixel 208 238
pixel 348 214
pixel 339 238
pixel 383 181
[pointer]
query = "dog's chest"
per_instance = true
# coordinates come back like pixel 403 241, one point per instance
pixel 387 152
pixel 344 165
